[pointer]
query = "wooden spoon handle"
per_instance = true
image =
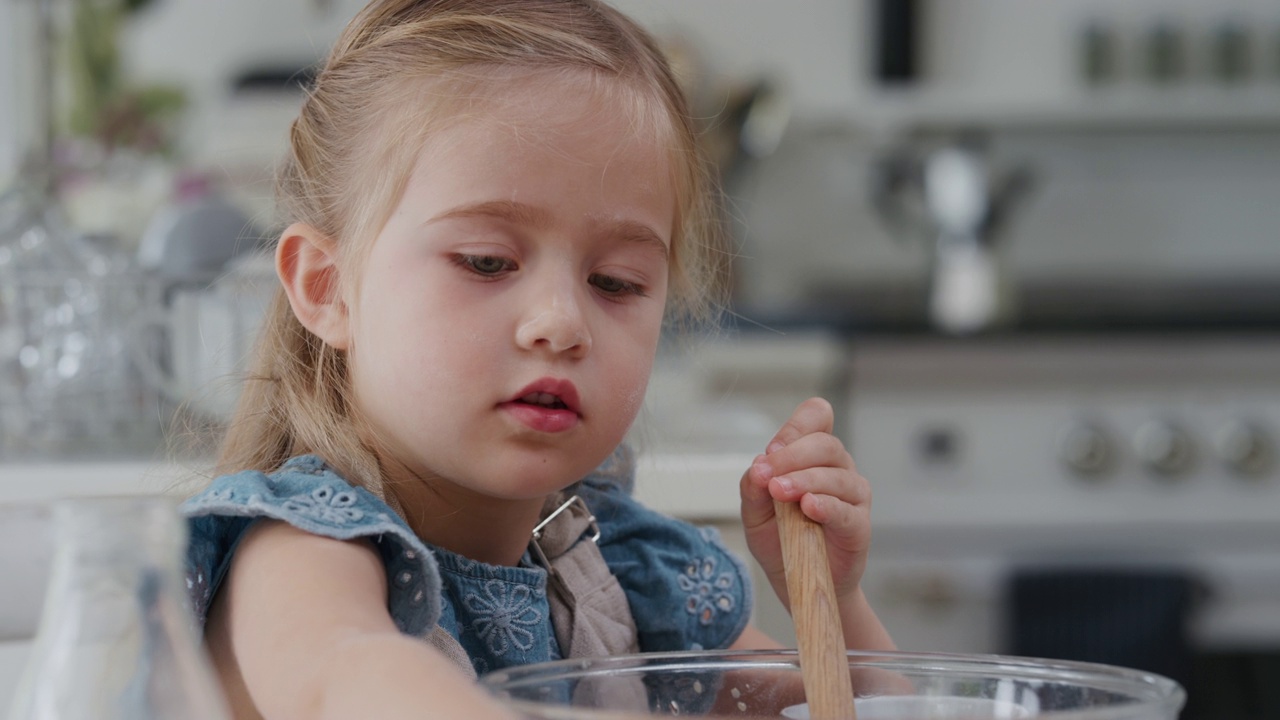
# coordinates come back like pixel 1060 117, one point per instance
pixel 824 663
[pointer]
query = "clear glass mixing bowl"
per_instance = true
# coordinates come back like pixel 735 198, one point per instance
pixel 887 686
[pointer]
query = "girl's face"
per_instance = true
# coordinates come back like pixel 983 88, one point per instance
pixel 507 315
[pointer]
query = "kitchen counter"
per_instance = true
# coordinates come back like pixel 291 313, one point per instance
pixel 37 482
pixel 702 486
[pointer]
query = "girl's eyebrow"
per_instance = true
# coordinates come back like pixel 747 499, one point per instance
pixel 633 232
pixel 518 213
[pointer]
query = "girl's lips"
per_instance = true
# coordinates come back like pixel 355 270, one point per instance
pixel 561 392
pixel 542 419
pixel 547 405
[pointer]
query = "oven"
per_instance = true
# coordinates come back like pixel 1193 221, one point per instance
pixel 1090 497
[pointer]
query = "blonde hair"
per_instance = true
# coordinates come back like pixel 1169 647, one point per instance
pixel 351 154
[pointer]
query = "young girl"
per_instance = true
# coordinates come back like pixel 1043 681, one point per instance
pixel 493 206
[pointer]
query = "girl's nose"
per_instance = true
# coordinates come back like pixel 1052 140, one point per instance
pixel 554 321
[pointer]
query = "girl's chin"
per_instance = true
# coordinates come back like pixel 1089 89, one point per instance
pixel 523 468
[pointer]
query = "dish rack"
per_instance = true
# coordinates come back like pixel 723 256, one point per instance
pixel 100 366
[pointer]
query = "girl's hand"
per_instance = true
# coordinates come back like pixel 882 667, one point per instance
pixel 805 463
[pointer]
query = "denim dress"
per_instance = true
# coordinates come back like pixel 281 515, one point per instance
pixel 686 590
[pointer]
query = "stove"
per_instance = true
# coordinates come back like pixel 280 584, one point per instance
pixel 1090 497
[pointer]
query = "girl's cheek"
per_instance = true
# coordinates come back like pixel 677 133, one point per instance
pixel 630 400
pixel 632 395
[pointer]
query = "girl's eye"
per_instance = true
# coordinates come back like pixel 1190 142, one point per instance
pixel 610 285
pixel 486 264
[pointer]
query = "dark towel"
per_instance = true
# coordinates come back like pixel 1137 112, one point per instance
pixel 1134 618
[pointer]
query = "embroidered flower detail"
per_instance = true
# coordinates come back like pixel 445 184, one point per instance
pixel 502 618
pixel 326 504
pixel 708 591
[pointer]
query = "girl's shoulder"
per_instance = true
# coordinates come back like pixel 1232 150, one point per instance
pixel 308 494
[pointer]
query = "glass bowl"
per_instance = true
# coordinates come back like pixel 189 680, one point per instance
pixel 887 686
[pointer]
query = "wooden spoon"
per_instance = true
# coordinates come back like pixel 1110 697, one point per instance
pixel 824 664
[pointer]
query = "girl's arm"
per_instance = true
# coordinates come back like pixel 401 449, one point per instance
pixel 301 629
pixel 753 638
pixel 806 464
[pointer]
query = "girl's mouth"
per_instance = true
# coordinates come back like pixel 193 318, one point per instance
pixel 550 393
pixel 546 405
pixel 546 400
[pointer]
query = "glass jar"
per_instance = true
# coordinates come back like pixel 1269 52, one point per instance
pixel 116 639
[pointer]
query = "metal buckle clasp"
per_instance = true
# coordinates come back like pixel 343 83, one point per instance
pixel 592 526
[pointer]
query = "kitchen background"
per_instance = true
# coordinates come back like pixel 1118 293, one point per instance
pixel 1031 251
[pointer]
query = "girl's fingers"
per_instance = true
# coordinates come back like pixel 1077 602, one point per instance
pixel 813 450
pixel 846 486
pixel 757 501
pixel 811 416
pixel 840 518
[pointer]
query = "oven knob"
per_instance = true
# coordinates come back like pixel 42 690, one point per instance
pixel 1086 450
pixel 1244 448
pixel 1165 448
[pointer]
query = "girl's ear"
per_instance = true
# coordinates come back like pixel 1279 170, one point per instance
pixel 307 263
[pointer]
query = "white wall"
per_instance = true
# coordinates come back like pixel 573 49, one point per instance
pixel 809 44
pixel 814 48
pixel 203 45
